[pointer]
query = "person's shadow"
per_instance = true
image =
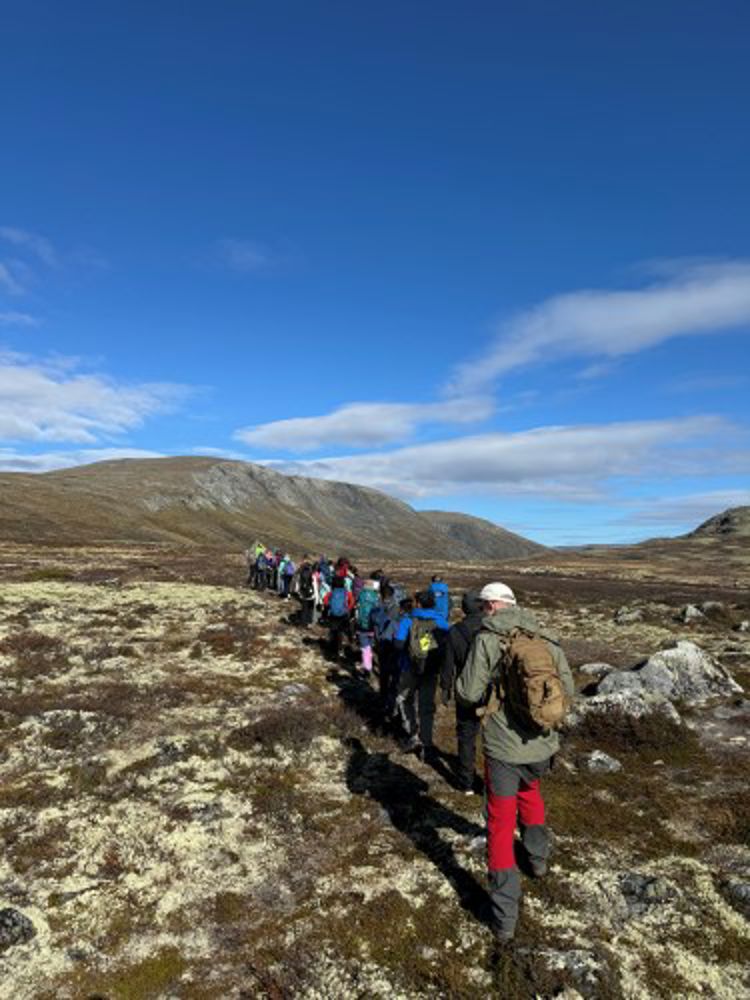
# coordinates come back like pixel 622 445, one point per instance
pixel 405 798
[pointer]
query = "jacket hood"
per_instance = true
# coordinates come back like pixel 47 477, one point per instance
pixel 471 603
pixel 507 619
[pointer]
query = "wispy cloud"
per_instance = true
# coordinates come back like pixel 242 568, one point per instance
pixel 572 463
pixel 38 246
pixel 17 319
pixel 697 298
pixel 687 511
pixel 48 401
pixel 9 281
pixel 244 256
pixel 363 425
pixel 15 461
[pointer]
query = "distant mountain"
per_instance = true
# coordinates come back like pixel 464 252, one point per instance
pixel 731 523
pixel 481 538
pixel 205 501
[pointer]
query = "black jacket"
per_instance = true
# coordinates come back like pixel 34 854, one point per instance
pixel 459 642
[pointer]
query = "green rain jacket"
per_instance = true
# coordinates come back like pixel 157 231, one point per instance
pixel 503 738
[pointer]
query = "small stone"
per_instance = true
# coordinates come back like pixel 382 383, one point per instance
pixel 628 616
pixel 595 669
pixel 602 763
pixel 691 614
pixel 477 844
pixel 739 892
pixel 15 928
pixel 644 891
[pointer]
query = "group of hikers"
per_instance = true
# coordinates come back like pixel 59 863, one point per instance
pixel 507 677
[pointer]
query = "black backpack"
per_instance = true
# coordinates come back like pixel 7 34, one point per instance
pixel 306 585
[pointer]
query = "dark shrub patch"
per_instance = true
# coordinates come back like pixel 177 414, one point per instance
pixel 35 653
pixel 651 736
pixel 49 573
pixel 232 637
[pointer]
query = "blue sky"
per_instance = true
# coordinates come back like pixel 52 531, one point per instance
pixel 487 257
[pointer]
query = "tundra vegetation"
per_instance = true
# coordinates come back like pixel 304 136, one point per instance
pixel 196 803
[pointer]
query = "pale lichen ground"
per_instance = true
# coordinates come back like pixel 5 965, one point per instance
pixel 189 809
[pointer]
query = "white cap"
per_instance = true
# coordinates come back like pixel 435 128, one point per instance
pixel 497 592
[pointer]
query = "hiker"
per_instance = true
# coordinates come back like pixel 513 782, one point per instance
pixel 339 604
pixel 283 559
pixel 517 750
pixel 442 597
pixel 421 635
pixel 307 592
pixel 324 582
pixel 250 563
pixel 457 649
pixel 289 570
pixel 357 582
pixel 261 571
pixel 385 620
pixel 368 600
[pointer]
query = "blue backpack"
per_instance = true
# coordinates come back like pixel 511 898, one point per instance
pixel 337 603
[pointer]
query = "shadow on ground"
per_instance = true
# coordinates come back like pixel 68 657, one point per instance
pixel 404 796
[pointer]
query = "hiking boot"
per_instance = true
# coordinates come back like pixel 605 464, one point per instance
pixel 538 868
pixel 412 744
pixel 429 755
pixel 502 938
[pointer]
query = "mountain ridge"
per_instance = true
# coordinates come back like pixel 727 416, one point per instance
pixel 221 502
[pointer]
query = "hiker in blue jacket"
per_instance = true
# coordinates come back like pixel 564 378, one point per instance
pixel 385 619
pixel 439 589
pixel 418 682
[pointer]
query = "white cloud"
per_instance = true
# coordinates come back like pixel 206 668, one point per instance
pixel 363 425
pixel 244 256
pixel 50 402
pixel 14 461
pixel 39 246
pixel 228 453
pixel 699 298
pixel 571 463
pixel 17 319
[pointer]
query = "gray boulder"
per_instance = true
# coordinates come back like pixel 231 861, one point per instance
pixel 683 672
pixel 634 703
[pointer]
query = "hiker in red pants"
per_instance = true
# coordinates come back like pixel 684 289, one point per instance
pixel 517 748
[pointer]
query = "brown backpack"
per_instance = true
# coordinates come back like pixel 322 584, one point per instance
pixel 529 685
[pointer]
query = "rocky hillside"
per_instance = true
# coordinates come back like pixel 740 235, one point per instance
pixel 481 536
pixel 210 502
pixel 732 523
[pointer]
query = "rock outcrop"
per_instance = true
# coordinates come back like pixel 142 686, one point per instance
pixel 683 673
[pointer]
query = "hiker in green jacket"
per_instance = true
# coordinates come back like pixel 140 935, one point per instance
pixel 517 752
